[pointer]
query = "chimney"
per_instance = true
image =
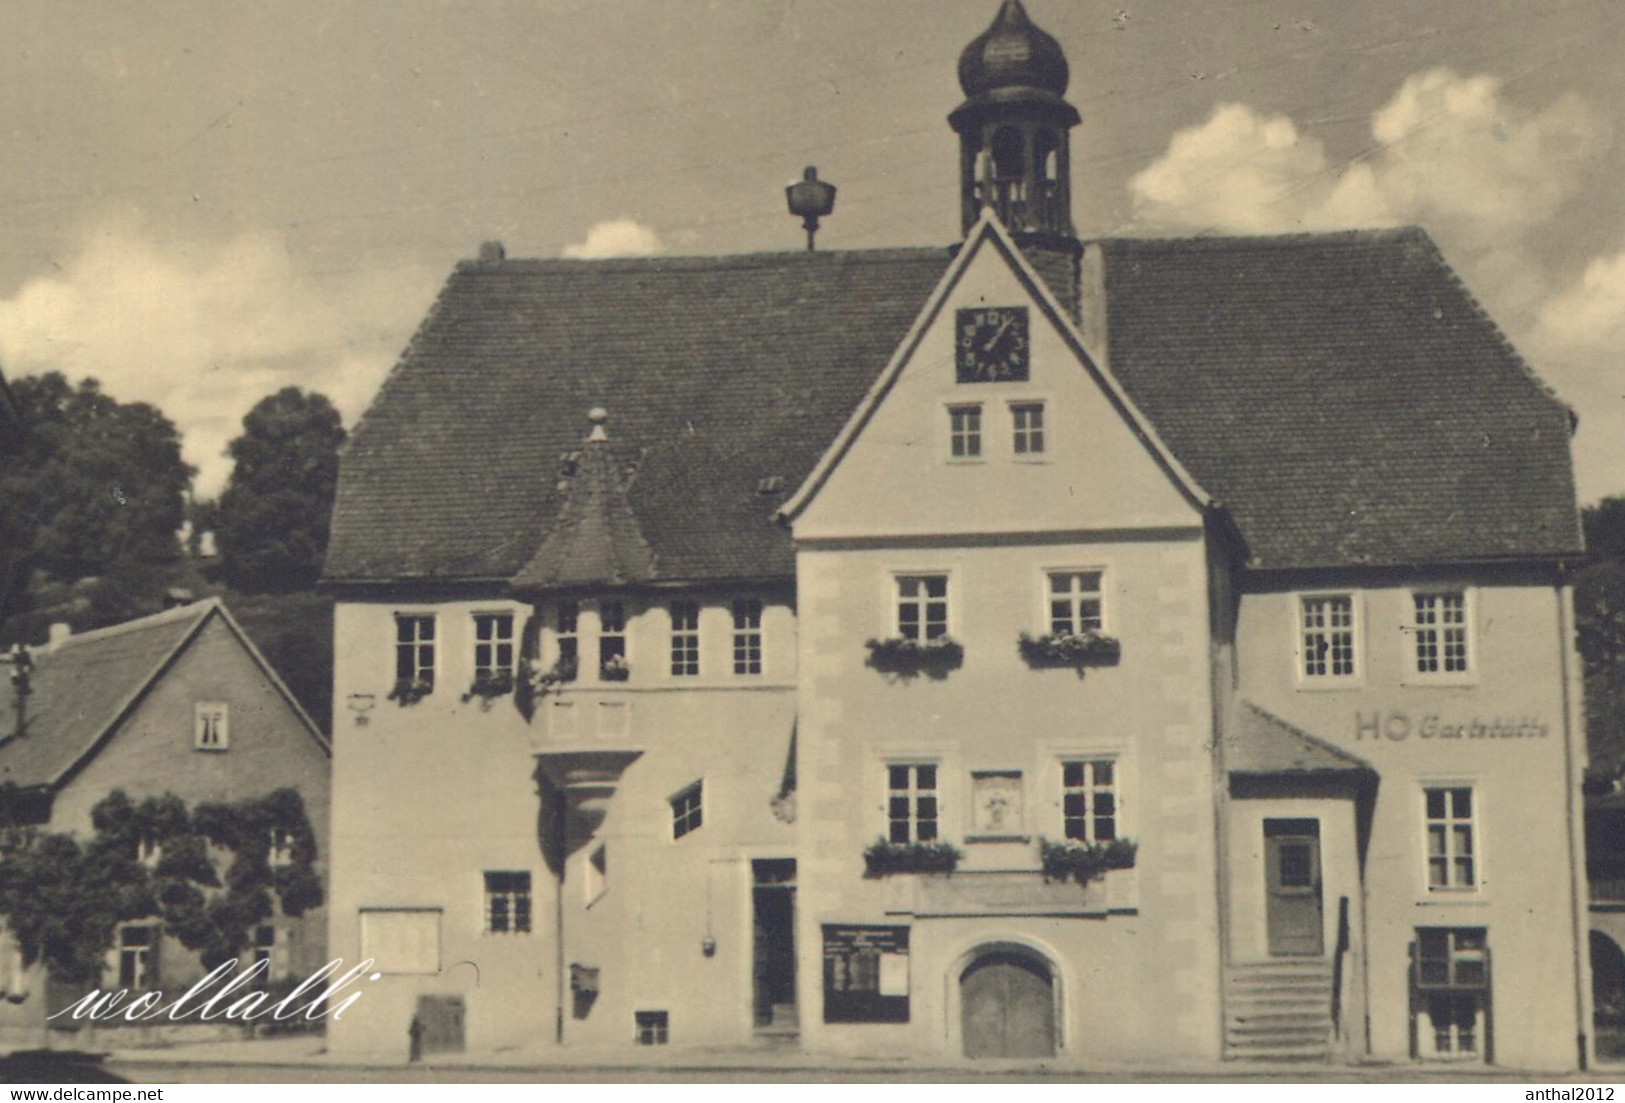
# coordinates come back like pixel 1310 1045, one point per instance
pixel 493 250
pixel 60 631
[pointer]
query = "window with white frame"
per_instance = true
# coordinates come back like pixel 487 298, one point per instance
pixel 912 802
pixel 685 638
pixel 747 636
pixel 1327 635
pixel 567 617
pixel 1452 844
pixel 1439 633
pixel 265 949
pixel 965 432
pixel 1027 419
pixel 611 635
pixel 1089 799
pixel 493 644
pixel 507 901
pixel 138 956
pixel 1076 602
pixel 211 726
pixel 414 649
pixel 922 606
pixel 687 811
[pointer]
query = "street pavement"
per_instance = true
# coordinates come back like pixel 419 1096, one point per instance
pixel 304 1060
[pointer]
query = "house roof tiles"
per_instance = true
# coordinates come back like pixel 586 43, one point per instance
pixel 1341 395
pixel 1262 744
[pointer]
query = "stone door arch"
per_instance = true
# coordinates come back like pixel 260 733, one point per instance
pixel 1008 999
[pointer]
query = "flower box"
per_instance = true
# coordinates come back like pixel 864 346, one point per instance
pixel 409 691
pixel 614 669
pixel 489 684
pixel 1085 862
pixel 908 657
pixel 1070 649
pixel 884 858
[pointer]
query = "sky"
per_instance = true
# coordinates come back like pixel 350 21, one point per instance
pixel 203 201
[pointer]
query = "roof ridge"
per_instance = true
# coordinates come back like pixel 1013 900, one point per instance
pixel 758 258
pixel 1351 236
pixel 1313 740
pixel 197 608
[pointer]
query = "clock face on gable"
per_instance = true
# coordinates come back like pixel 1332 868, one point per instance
pixel 991 344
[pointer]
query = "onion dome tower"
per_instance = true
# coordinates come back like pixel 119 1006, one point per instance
pixel 1013 132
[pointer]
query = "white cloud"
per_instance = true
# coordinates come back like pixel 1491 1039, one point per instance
pixel 621 237
pixel 1448 151
pixel 1481 172
pixel 205 332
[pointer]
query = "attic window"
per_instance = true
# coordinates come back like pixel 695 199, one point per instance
pixel 770 484
pixel 210 726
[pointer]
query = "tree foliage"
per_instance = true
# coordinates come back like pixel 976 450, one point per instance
pixel 1599 615
pixel 99 487
pixel 274 512
pixel 62 900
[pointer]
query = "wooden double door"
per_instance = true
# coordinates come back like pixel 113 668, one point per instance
pixel 1007 1004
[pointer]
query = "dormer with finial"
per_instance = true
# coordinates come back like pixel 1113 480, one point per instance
pixel 1013 131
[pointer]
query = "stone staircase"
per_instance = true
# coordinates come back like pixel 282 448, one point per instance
pixel 1278 1010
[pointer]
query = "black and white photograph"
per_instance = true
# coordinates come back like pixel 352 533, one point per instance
pixel 812 542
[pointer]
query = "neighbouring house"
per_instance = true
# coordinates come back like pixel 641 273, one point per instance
pixel 179 703
pixel 1026 648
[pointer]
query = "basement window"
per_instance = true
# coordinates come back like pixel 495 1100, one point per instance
pixel 652 1027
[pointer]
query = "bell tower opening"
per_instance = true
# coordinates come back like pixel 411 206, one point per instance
pixel 1013 132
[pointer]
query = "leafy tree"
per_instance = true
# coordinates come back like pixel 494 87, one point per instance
pixel 99 486
pixel 274 512
pixel 1599 614
pixel 62 899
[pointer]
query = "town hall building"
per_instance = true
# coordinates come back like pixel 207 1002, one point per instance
pixel 1027 648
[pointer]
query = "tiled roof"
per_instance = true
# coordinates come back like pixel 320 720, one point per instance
pixel 594 538
pixel 1343 396
pixel 1262 744
pixel 717 372
pixel 83 685
pixel 86 684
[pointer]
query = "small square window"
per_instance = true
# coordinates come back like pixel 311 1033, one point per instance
pixel 653 1027
pixel 965 432
pixel 211 726
pixel 687 813
pixel 507 902
pixel 1028 420
pixel 1076 602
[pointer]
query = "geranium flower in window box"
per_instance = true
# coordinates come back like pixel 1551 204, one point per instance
pixel 884 858
pixel 489 684
pixel 542 681
pixel 1085 862
pixel 614 669
pixel 907 657
pixel 409 691
pixel 1070 649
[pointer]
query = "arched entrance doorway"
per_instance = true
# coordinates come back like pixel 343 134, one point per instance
pixel 1007 1005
